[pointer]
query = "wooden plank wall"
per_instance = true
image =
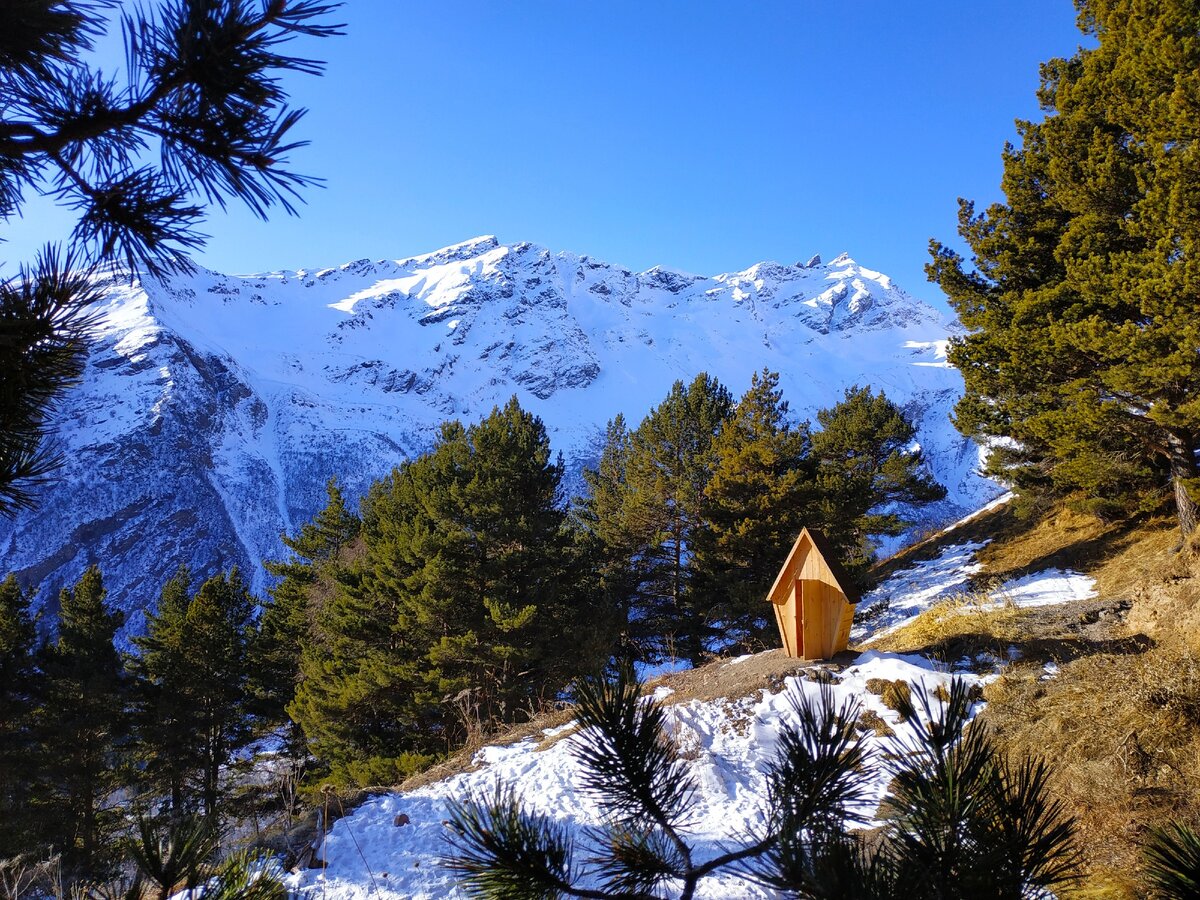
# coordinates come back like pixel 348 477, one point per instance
pixel 814 616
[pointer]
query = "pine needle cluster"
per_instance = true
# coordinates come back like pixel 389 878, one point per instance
pixel 198 117
pixel 959 820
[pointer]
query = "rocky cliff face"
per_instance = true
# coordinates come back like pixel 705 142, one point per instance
pixel 215 407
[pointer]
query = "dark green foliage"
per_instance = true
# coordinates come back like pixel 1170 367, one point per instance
pixel 193 676
pixel 1173 862
pixel 610 544
pixel 538 850
pixel 644 511
pixel 177 856
pixel 865 465
pixel 244 875
pixel 163 709
pixel 172 855
pixel 199 116
pixel 44 322
pixel 629 762
pixel 20 690
pixel 287 618
pixel 761 493
pixel 963 821
pixel 1081 295
pixel 202 86
pixel 459 613
pixel 668 466
pixel 688 517
pixel 960 821
pixel 82 726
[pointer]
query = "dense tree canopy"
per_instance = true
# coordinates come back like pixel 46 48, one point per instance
pixel 690 515
pixel 761 493
pixel 1081 356
pixel 462 609
pixel 82 725
pixel 193 673
pixel 869 471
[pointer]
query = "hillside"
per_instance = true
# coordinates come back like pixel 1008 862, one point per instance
pixel 1068 625
pixel 215 407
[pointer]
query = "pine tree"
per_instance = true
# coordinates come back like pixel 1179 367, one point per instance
pixel 1081 299
pixel 761 493
pixel 361 700
pixel 163 709
pixel 193 674
pixel 460 612
pixel 668 465
pixel 203 89
pixel 219 627
pixel 20 692
pixel 82 726
pixel 609 545
pixel 286 618
pixel 867 464
pixel 960 820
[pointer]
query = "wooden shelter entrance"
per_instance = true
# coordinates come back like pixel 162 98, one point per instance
pixel 813 600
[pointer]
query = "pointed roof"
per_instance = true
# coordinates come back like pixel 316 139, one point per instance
pixel 821 544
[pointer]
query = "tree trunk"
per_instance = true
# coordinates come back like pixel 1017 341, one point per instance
pixel 1183 471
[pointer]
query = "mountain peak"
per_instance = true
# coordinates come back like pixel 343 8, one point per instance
pixel 222 404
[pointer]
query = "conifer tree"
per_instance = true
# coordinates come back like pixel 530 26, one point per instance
pixel 82 725
pixel 668 465
pixel 361 700
pixel 20 691
pixel 163 708
pixel 459 614
pixel 1081 294
pixel 219 627
pixel 610 545
pixel 960 819
pixel 194 670
pixel 286 618
pixel 761 493
pixel 866 464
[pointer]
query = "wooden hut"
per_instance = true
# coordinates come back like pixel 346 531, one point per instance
pixel 813 600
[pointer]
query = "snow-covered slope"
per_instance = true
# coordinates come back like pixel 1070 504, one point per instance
pixel 215 407
pixel 729 743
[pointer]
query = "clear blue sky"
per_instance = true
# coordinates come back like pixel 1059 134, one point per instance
pixel 704 136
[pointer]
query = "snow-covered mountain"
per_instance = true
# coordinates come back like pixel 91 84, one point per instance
pixel 215 407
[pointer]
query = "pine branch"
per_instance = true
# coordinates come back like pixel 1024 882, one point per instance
pixel 629 762
pixel 44 324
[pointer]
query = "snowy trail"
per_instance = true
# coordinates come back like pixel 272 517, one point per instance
pixel 730 742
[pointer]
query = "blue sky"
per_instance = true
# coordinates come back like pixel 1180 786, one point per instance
pixel 702 136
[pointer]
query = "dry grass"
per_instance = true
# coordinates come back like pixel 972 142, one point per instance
pixel 965 627
pixel 869 720
pixel 1125 734
pixel 895 695
pixel 1121 718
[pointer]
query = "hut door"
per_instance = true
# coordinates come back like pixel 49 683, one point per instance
pixel 798 617
pixel 813 617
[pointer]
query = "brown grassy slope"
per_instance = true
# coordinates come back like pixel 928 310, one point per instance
pixel 1121 718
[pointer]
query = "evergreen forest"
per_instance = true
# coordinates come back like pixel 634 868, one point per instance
pixel 465 592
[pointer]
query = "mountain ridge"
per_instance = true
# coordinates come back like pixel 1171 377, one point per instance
pixel 214 407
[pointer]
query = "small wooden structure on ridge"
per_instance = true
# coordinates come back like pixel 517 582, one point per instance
pixel 813 600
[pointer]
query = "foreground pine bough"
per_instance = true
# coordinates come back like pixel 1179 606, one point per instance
pixel 959 819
